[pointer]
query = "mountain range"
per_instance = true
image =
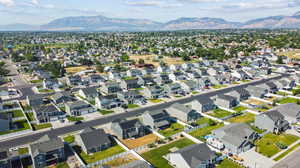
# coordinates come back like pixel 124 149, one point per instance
pixel 102 23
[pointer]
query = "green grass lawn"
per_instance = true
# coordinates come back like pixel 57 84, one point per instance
pixel 282 93
pixel 267 144
pixel 36 81
pixel 99 155
pixel 62 165
pixel 288 100
pixel 244 118
pixel 254 128
pixel 30 116
pixel 105 112
pixel 131 106
pixel 195 92
pixel 22 125
pixel 219 113
pixel 239 108
pixel 204 120
pixel 200 133
pixel 155 156
pixel 226 163
pixel 155 100
pixel 73 118
pixel 23 151
pixel 69 138
pixel 46 90
pixel 173 129
pixel 287 152
pixel 41 126
pixel 219 86
pixel 16 113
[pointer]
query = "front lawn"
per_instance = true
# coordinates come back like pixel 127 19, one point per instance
pixel 204 120
pixel 268 147
pixel 219 86
pixel 195 92
pixel 69 138
pixel 288 100
pixel 155 100
pixel 219 113
pixel 226 163
pixel 41 126
pixel 46 90
pixel 105 112
pixel 244 118
pixel 30 116
pixel 282 93
pixel 201 132
pixel 62 165
pixel 173 129
pixel 239 108
pixel 155 156
pixel 23 151
pixel 36 81
pixel 21 126
pixel 282 155
pixel 131 106
pixel 16 113
pixel 98 155
pixel 73 118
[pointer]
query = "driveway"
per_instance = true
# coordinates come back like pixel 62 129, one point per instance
pixel 253 159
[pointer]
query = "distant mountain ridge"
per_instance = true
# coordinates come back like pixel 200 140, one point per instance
pixel 102 23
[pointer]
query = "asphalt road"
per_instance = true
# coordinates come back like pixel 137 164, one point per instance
pixel 73 128
pixel 292 161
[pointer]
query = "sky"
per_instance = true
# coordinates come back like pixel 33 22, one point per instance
pixel 38 12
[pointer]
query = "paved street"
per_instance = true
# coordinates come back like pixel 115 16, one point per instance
pixel 73 128
pixel 291 161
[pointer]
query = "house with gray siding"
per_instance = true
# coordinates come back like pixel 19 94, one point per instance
pixel 47 151
pixel 226 101
pixel 110 88
pixel 193 156
pixel 5 121
pixel 156 119
pixel 125 129
pixel 272 121
pixel 239 94
pixel 174 89
pixel 93 140
pixel 237 137
pixel 162 79
pixel 109 102
pixel 203 105
pixel 47 113
pixel 154 92
pixel 130 84
pixel 78 108
pixel 183 113
pixel 256 91
pixel 290 111
pixel 89 93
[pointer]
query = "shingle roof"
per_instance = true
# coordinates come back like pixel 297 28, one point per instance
pixel 94 137
pixel 289 110
pixel 181 107
pixel 46 144
pixel 125 124
pixel 274 115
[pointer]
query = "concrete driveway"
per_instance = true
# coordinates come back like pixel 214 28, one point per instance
pixel 253 159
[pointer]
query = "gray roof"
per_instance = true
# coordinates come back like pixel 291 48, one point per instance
pixel 196 154
pixel 94 137
pixel 274 115
pixel 45 109
pixel 125 124
pixel 46 144
pixel 234 133
pixel 205 101
pixel 181 107
pixel 226 97
pixel 89 90
pixel 76 104
pixel 289 110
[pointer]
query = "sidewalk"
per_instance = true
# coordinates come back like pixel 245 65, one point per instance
pixel 279 153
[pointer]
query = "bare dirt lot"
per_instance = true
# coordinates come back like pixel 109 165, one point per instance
pixel 152 59
pixel 133 143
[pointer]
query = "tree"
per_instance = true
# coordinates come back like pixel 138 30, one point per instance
pixel 100 68
pixel 3 71
pixel 55 68
pixel 279 60
pixel 141 61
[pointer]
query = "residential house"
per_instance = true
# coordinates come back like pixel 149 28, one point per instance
pixel 175 67
pixel 51 83
pixel 290 111
pixel 34 100
pixel 154 92
pixel 256 91
pixel 5 121
pixel 89 93
pixel 96 79
pixel 187 66
pixel 156 119
pixel 163 79
pixel 239 94
pixel 183 113
pixel 134 73
pixel 272 121
pixel 109 102
pixel 177 76
pixel 78 108
pixel 111 88
pixel 74 80
pixel 269 86
pixel 62 97
pixel 146 81
pixel 226 101
pixel 114 75
pixel 131 97
pixel 237 137
pixel 130 84
pixel 47 151
pixel 203 105
pixel 162 69
pixel 193 156
pixel 93 140
pixel 189 86
pixel 174 89
pixel 47 113
pixel 126 129
pixel 148 71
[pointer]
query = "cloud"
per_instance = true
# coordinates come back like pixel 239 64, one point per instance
pixel 35 2
pixel 7 3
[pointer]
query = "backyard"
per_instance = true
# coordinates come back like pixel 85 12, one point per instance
pixel 21 126
pixel 268 144
pixel 155 156
pixel 173 129
pixel 244 118
pixel 239 108
pixel 69 138
pixel 145 140
pixel 288 100
pixel 201 132
pixel 219 113
pixel 226 163
pixel 98 155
